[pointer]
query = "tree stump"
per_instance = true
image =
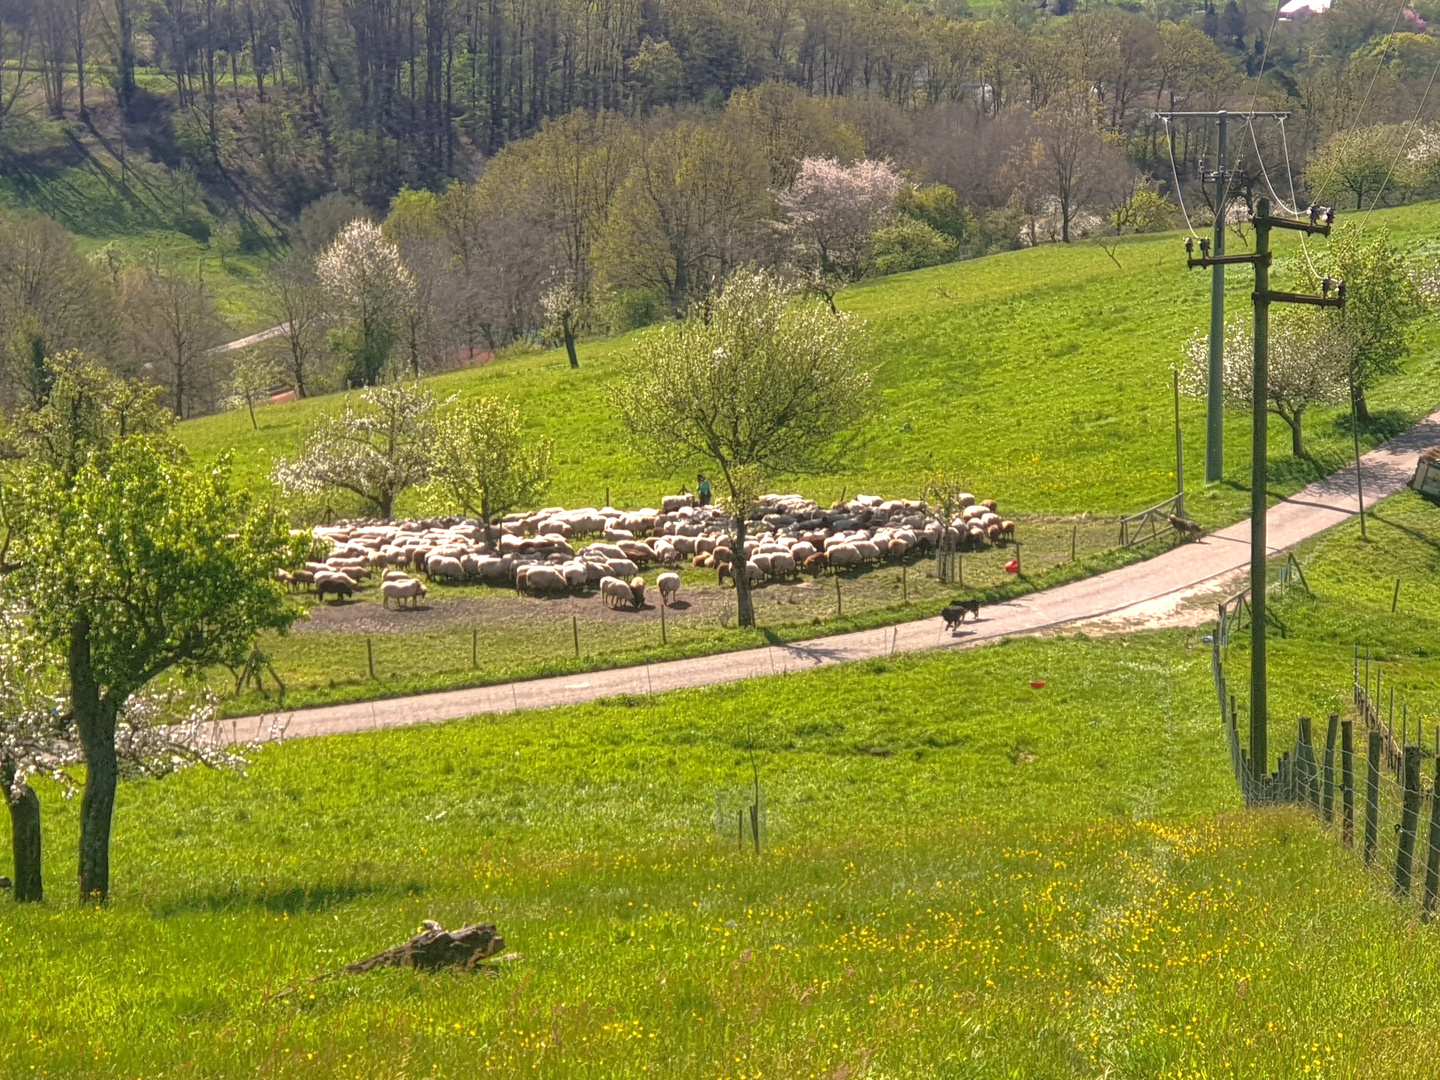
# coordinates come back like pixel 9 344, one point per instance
pixel 435 947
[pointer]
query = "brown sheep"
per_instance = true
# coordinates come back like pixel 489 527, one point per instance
pixel 637 588
pixel 816 564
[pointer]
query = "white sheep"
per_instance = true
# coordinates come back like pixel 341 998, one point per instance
pixel 669 585
pixel 614 592
pixel 541 579
pixel 402 590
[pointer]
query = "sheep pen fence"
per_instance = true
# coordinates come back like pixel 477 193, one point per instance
pixel 1382 777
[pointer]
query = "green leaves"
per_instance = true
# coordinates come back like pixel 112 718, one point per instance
pixel 748 378
pixel 485 463
pixel 167 564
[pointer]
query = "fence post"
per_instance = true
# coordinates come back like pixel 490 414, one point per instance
pixel 1306 773
pixel 370 656
pixel 1327 792
pixel 1347 783
pixel 1432 859
pixel 664 640
pixel 839 604
pixel 1372 794
pixel 474 646
pixel 1409 821
pixel 904 584
pixel 575 629
pixel 1395 600
pixel 1074 530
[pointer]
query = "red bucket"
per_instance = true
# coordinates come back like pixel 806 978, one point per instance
pixel 1013 566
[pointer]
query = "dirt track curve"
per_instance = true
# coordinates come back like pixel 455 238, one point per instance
pixel 1140 594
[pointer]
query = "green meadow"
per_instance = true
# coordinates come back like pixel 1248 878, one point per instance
pixel 1043 375
pixel 960 875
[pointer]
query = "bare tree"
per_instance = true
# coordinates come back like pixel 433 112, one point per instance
pixel 297 303
pixel 174 325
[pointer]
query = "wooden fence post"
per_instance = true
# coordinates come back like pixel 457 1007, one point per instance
pixel 370 656
pixel 474 646
pixel 575 629
pixel 1375 748
pixel 1327 791
pixel 664 640
pixel 1347 783
pixel 1432 859
pixel 1409 822
pixel 839 604
pixel 1306 774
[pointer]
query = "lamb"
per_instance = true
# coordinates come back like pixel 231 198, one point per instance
pixel 402 589
pixel 669 585
pixel 614 592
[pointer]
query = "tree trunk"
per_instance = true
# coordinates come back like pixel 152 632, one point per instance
pixel 746 609
pixel 25 834
pixel 1362 407
pixel 95 719
pixel 570 342
pixel 1297 440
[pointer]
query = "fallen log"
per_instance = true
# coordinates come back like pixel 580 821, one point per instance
pixel 435 947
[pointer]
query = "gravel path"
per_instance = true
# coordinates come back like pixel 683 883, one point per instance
pixel 1135 596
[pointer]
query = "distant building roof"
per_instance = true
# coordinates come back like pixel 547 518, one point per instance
pixel 1305 7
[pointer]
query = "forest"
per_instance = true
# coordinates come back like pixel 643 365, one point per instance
pixel 551 169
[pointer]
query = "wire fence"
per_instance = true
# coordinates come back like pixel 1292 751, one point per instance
pixel 1366 781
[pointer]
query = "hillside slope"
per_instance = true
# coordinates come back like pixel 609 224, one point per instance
pixel 1045 375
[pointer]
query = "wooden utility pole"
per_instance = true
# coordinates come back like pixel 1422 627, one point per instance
pixel 1214 388
pixel 1333 295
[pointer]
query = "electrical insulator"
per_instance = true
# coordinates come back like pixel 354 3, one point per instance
pixel 1340 293
pixel 1204 248
pixel 1314 212
pixel 1326 284
pixel 1329 215
pixel 1189 246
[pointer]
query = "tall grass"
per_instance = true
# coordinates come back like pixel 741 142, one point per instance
pixel 962 876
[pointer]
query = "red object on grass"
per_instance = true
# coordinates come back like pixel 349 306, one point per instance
pixel 1037 684
pixel 1013 566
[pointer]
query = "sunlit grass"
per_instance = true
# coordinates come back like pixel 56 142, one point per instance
pixel 1044 375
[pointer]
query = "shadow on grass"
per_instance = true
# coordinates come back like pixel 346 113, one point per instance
pixel 291 901
pixel 1409 530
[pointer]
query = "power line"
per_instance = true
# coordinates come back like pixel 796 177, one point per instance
pixel 1175 173
pixel 1404 138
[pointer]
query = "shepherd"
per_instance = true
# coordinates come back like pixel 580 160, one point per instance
pixel 702 488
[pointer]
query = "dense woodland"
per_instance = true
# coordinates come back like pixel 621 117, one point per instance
pixel 550 169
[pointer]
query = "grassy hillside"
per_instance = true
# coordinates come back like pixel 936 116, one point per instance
pixel 75 176
pixel 962 876
pixel 1043 374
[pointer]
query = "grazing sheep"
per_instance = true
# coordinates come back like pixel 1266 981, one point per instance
pixel 669 585
pixel 402 589
pixel 302 578
pixel 540 579
pixel 444 566
pixel 395 575
pixel 816 564
pixel 782 564
pixel 614 592
pixel 724 570
pixel 1007 530
pixel 637 588
pixel 844 555
pixel 338 585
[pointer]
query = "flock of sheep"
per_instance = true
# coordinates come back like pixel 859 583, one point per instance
pixel 536 552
